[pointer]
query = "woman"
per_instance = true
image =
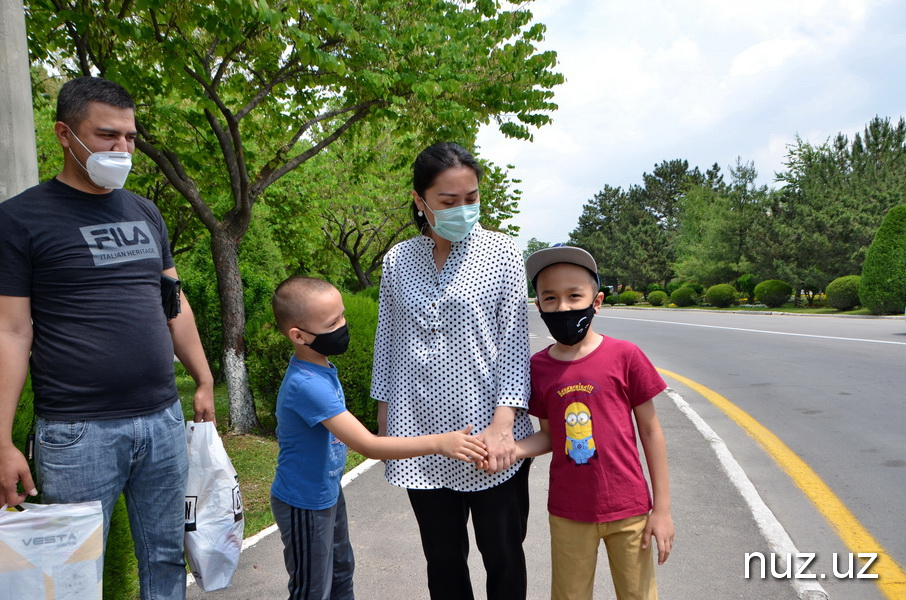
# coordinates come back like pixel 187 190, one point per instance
pixel 452 350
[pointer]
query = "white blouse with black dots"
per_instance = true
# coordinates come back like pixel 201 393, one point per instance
pixel 451 346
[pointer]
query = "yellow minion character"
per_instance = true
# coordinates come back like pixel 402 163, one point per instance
pixel 580 445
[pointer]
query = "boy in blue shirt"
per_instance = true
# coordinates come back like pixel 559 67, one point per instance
pixel 313 431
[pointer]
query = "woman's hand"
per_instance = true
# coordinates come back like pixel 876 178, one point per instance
pixel 498 439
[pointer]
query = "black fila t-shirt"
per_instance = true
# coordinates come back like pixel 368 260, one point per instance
pixel 91 266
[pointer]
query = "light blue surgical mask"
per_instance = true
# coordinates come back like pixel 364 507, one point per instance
pixel 455 223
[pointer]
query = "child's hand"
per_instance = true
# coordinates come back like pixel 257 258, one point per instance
pixel 462 446
pixel 660 525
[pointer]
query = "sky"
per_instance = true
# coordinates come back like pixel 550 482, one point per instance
pixel 708 81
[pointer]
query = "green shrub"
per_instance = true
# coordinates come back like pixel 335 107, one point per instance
pixel 372 292
pixel 721 295
pixel 657 298
pixel 773 293
pixel 355 364
pixel 673 286
pixel 684 296
pixel 883 286
pixel 612 299
pixel 843 292
pixel 699 288
pixel 746 284
pixel 267 354
pixel 629 297
pixel 653 287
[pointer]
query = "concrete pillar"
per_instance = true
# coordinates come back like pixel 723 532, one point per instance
pixel 18 154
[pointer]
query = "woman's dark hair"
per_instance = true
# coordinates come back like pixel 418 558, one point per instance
pixel 78 93
pixel 431 162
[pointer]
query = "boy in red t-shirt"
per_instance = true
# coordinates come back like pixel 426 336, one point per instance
pixel 586 388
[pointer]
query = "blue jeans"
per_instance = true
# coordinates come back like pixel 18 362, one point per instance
pixel 145 459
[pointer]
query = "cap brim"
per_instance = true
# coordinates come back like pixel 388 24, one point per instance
pixel 559 254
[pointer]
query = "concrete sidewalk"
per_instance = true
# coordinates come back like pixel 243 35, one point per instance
pixel 714 531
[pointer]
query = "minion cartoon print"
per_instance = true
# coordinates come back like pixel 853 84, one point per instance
pixel 580 445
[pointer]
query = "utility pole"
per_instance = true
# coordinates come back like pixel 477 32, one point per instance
pixel 19 164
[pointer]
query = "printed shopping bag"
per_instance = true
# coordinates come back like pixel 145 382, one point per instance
pixel 52 552
pixel 214 523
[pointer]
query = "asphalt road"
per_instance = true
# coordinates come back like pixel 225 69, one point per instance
pixel 831 388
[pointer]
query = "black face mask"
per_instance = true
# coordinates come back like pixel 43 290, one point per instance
pixel 569 326
pixel 330 343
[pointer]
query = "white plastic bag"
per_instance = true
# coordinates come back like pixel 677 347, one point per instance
pixel 214 523
pixel 52 551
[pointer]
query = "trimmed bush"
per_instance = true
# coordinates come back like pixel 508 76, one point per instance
pixel 355 364
pixel 612 299
pixel 373 292
pixel 883 286
pixel 653 287
pixel 657 298
pixel 773 293
pixel 684 296
pixel 629 297
pixel 673 286
pixel 843 292
pixel 721 295
pixel 746 284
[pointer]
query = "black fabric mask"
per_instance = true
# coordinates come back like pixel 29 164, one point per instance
pixel 331 343
pixel 569 326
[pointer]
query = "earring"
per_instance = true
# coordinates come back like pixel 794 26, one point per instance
pixel 421 214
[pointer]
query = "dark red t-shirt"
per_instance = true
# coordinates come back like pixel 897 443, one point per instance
pixel 595 475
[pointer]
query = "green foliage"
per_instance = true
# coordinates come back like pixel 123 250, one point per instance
pixel 374 292
pixel 355 364
pixel 673 286
pixel 653 287
pixel 684 296
pixel 721 295
pixel 746 284
pixel 269 352
pixel 773 293
pixel 715 242
pixel 843 292
pixel 657 298
pixel 834 199
pixel 883 285
pixel 612 299
pixel 630 297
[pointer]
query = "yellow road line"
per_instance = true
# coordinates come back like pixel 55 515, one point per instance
pixel 891 578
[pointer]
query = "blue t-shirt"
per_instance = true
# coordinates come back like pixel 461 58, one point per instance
pixel 311 459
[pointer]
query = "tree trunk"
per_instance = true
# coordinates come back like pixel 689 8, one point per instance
pixel 360 274
pixel 225 249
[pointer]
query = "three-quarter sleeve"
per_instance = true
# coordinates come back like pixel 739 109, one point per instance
pixel 513 384
pixel 381 374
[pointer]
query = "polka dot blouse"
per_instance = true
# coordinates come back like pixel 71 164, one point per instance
pixel 451 346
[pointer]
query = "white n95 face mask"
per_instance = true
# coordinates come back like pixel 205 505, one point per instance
pixel 105 169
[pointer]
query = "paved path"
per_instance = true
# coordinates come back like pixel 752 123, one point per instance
pixel 715 529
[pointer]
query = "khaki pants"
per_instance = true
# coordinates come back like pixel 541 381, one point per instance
pixel 574 556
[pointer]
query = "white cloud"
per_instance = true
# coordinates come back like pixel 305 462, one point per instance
pixel 710 80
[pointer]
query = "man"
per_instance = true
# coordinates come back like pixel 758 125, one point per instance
pixel 80 274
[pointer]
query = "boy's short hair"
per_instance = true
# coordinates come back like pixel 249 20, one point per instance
pixel 291 298
pixel 561 253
